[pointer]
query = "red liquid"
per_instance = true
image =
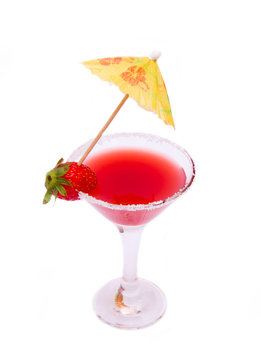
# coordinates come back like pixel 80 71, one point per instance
pixel 130 176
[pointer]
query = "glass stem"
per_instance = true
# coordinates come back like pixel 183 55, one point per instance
pixel 127 296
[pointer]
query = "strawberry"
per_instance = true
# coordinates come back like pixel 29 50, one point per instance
pixel 67 179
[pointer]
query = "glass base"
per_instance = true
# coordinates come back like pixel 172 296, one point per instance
pixel 110 306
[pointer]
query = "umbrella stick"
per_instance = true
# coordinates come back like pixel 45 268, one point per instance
pixel 103 129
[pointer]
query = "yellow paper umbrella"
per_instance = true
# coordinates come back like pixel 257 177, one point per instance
pixel 137 77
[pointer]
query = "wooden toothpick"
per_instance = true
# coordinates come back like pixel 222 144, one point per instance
pixel 103 129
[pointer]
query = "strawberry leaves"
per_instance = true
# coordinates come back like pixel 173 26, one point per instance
pixel 54 181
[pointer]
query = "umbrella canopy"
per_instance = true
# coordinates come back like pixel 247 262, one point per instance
pixel 139 78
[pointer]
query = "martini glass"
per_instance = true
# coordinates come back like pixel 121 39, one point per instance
pixel 131 302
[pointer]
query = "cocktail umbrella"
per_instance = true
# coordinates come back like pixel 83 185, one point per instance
pixel 138 78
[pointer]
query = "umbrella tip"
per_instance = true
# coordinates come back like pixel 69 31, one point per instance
pixel 155 55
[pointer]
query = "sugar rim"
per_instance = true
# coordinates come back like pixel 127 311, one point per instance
pixel 149 206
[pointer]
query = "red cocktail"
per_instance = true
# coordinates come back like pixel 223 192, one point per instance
pixel 134 177
pixel 138 176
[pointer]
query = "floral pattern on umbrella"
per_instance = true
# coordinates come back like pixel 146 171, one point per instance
pixel 138 77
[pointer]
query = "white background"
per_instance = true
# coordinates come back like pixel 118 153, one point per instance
pixel 204 251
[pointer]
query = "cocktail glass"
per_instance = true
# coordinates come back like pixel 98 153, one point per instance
pixel 129 301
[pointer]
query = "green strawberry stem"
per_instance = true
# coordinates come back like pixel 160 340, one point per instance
pixel 54 181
